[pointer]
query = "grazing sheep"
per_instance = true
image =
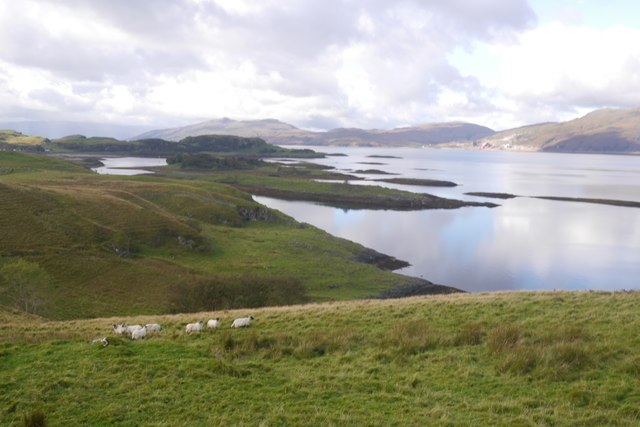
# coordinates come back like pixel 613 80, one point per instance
pixel 119 328
pixel 102 341
pixel 213 323
pixel 242 322
pixel 131 328
pixel 139 333
pixel 153 327
pixel 195 327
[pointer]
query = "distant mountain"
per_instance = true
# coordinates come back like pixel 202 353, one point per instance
pixel 601 131
pixel 277 132
pixel 427 134
pixel 267 129
pixel 54 129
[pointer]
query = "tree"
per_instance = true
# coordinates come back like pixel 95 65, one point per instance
pixel 22 282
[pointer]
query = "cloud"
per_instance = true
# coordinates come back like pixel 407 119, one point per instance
pixel 559 69
pixel 350 62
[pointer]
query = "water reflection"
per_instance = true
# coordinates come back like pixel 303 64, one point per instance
pixel 128 165
pixel 523 244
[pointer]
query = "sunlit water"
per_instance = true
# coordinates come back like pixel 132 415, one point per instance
pixel 128 165
pixel 524 243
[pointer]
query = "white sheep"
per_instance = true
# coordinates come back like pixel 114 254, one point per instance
pixel 195 327
pixel 119 328
pixel 153 327
pixel 242 322
pixel 102 341
pixel 139 333
pixel 131 328
pixel 213 323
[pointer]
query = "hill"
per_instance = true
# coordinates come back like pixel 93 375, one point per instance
pixel 276 132
pixel 272 131
pixel 147 244
pixel 12 140
pixel 601 131
pixel 468 359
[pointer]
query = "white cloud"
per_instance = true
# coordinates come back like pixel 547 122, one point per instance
pixel 561 70
pixel 342 62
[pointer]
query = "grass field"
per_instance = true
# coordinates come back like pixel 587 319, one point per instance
pixel 123 245
pixel 468 359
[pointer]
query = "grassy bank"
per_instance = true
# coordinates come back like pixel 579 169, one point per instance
pixel 485 359
pixel 133 245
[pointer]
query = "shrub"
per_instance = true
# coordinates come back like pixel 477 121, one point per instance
pixel 247 291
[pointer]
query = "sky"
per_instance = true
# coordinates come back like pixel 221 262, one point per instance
pixel 317 64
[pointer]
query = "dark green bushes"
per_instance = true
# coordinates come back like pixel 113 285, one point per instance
pixel 209 161
pixel 247 291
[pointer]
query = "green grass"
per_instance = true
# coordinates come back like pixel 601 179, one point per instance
pixel 123 245
pixel 485 359
pixel 16 138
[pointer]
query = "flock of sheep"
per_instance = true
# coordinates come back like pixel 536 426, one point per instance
pixel 138 332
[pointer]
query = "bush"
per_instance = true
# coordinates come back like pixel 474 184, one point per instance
pixel 248 291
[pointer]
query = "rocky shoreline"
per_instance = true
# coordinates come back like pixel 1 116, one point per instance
pixel 416 288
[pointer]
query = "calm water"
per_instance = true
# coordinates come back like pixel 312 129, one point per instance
pixel 523 244
pixel 128 165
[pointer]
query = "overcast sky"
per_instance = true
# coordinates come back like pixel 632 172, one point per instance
pixel 317 64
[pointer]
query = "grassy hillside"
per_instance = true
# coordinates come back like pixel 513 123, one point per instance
pixel 602 131
pixel 484 359
pixel 221 144
pixel 271 130
pixel 12 140
pixel 276 132
pixel 123 245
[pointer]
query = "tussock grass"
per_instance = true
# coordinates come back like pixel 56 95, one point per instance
pixel 479 359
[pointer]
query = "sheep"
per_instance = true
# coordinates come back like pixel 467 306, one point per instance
pixel 131 328
pixel 194 327
pixel 119 328
pixel 102 341
pixel 213 323
pixel 153 327
pixel 139 333
pixel 242 322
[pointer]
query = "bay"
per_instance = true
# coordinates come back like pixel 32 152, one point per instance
pixel 524 244
pixel 128 165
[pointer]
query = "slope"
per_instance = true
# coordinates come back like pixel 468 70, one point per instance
pixel 116 245
pixel 601 131
pixel 276 132
pixel 467 359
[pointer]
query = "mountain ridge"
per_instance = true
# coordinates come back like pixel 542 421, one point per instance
pixel 607 131
pixel 600 131
pixel 276 132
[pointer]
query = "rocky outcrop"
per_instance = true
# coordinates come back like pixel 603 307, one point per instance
pixel 382 261
pixel 416 288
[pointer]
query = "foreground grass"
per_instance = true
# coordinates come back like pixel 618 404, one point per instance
pixel 487 359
